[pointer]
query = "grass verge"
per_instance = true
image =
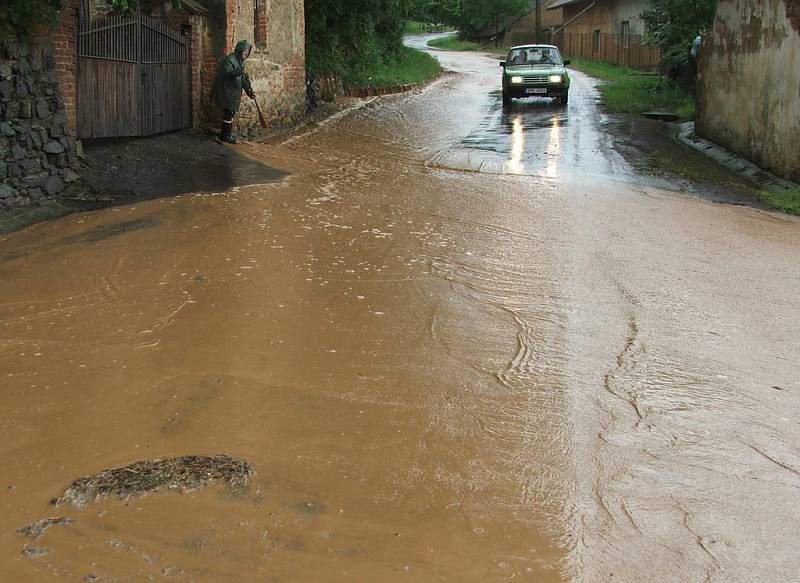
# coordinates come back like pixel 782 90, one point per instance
pixel 417 27
pixel 452 43
pixel 627 90
pixel 787 201
pixel 501 52
pixel 408 66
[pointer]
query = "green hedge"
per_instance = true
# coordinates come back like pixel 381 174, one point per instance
pixel 351 38
pixel 22 18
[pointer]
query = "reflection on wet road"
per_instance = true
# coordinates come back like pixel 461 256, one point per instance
pixel 536 136
pixel 456 343
pixel 524 138
pixel 520 158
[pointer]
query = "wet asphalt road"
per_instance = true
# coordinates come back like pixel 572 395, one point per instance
pixel 535 137
pixel 457 343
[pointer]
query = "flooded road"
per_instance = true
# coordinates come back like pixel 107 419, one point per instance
pixel 455 344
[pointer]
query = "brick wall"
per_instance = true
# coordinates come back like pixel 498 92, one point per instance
pixel 230 19
pixel 276 67
pixel 196 63
pixel 244 24
pixel 793 13
pixel 217 41
pixel 65 55
pixel 262 21
pixel 277 63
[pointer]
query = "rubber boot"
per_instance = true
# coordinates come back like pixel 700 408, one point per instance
pixel 225 133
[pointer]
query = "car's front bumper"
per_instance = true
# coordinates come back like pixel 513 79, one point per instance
pixel 518 91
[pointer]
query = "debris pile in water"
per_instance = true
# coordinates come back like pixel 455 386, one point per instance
pixel 34 552
pixel 181 473
pixel 36 529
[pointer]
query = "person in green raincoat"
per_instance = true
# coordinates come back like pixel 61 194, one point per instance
pixel 227 89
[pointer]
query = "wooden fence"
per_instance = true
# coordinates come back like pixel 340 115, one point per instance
pixel 628 50
pixel 133 77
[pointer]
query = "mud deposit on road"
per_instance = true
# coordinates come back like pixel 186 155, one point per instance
pixel 448 353
pixel 129 170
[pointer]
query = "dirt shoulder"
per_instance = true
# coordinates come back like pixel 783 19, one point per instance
pixel 167 165
pixel 653 150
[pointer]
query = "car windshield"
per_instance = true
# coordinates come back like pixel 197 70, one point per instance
pixel 534 56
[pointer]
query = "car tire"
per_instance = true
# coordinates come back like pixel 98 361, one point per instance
pixel 506 99
pixel 564 99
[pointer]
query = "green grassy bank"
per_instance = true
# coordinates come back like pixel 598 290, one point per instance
pixel 627 90
pixel 407 66
pixel 416 27
pixel 787 201
pixel 501 52
pixel 452 43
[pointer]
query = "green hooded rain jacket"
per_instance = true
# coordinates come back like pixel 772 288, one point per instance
pixel 232 79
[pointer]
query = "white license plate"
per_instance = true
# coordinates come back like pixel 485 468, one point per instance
pixel 535 90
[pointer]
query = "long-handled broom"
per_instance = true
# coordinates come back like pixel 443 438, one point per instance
pixel 258 107
pixel 260 115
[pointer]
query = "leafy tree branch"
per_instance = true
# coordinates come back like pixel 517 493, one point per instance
pixel 672 25
pixel 22 18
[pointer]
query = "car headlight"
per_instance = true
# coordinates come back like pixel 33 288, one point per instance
pixel 516 79
pixel 556 78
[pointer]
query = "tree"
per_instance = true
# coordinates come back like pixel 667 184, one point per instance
pixel 22 18
pixel 477 14
pixel 347 37
pixel 128 6
pixel 435 11
pixel 672 26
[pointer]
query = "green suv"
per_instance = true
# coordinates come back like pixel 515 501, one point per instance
pixel 535 71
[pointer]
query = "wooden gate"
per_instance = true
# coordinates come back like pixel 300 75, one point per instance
pixel 133 77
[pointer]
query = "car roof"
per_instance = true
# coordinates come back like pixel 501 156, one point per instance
pixel 534 46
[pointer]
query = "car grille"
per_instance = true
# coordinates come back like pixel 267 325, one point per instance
pixel 535 79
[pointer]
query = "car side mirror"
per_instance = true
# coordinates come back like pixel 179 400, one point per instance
pixel 567 62
pixel 502 63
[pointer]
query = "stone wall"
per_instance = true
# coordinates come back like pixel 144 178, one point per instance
pixel 748 97
pixel 37 157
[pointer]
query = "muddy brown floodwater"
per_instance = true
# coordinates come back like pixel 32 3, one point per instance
pixel 455 344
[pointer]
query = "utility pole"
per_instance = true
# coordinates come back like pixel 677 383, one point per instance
pixel 497 24
pixel 538 22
